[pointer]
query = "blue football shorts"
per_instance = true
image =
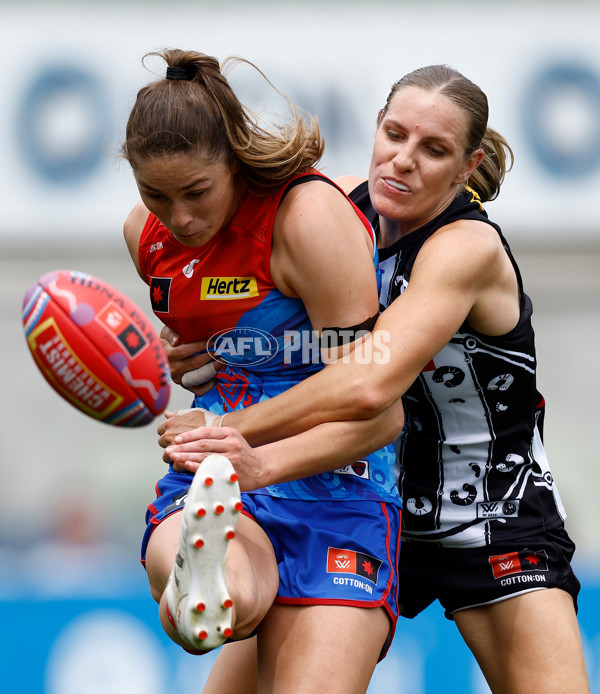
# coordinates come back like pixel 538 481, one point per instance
pixel 328 552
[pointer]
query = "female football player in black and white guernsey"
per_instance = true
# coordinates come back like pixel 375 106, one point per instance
pixel 483 525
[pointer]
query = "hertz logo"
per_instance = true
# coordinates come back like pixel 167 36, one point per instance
pixel 228 288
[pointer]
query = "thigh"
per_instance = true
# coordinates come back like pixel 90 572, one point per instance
pixel 530 642
pixel 234 670
pixel 333 649
pixel 250 573
pixel 160 553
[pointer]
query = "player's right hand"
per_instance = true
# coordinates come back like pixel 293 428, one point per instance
pixel 191 365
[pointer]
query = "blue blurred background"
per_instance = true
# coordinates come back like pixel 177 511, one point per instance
pixel 75 611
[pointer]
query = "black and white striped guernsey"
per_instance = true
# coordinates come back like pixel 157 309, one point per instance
pixel 471 462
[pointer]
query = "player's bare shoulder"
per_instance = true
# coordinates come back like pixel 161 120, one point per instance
pixel 132 231
pixel 471 246
pixel 312 206
pixel 134 224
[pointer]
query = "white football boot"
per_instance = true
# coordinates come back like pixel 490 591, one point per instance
pixel 198 604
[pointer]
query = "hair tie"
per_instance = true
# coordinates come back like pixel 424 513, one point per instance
pixel 181 73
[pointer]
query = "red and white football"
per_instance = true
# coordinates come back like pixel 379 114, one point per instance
pixel 96 348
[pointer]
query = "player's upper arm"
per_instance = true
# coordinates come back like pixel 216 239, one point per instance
pixel 132 231
pixel 453 269
pixel 322 254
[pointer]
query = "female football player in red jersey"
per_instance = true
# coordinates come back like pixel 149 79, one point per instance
pixel 235 235
pixel 483 525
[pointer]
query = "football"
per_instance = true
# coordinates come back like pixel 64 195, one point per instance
pixel 96 348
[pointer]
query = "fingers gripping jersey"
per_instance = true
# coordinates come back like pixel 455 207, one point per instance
pixel 472 466
pixel 223 290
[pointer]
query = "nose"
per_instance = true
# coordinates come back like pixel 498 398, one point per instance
pixel 404 158
pixel 180 215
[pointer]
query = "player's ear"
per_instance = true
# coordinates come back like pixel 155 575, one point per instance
pixel 473 161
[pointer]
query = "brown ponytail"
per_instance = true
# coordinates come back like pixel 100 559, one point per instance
pixel 194 109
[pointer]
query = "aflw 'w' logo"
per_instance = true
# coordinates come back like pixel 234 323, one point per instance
pixel 498 509
pixel 517 562
pixel 342 563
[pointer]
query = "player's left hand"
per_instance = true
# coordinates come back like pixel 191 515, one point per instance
pixel 176 423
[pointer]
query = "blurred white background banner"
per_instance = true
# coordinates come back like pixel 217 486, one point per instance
pixel 72 70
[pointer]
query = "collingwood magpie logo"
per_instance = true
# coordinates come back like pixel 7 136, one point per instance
pixel 228 288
